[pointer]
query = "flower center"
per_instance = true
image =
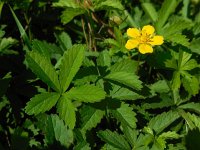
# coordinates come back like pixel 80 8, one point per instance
pixel 144 38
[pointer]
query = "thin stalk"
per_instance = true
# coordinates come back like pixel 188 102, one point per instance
pixel 84 31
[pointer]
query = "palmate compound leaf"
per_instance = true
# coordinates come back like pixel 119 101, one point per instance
pixel 66 111
pixel 162 121
pixel 43 69
pixel 114 139
pixel 71 62
pixel 128 79
pixel 56 130
pixel 90 117
pixel 86 93
pixel 41 103
pixel 125 115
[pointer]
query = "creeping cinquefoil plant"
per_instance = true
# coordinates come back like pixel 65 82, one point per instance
pixel 100 75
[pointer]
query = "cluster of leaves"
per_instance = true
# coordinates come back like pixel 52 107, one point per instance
pixel 79 88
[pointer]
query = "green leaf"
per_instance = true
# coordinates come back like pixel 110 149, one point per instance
pixel 166 101
pixel 68 3
pixel 196 28
pixel 124 94
pixel 21 29
pixel 130 134
pixel 173 31
pixel 126 78
pixel 191 84
pixel 114 139
pixel 43 69
pixel 86 93
pixel 69 13
pixel 125 115
pixel 48 50
pixel 169 135
pixel 168 7
pixel 143 141
pixel 184 61
pixel 64 41
pixel 162 121
pixel 191 106
pixel 6 43
pixel 191 64
pixel 159 87
pixel 108 5
pixel 41 103
pixel 176 26
pixel 104 59
pixel 130 20
pixel 159 144
pixel 150 11
pixel 178 39
pixel 188 118
pixel 125 65
pixel 184 10
pixel 82 146
pixel 42 48
pixel 194 46
pixel 71 62
pixel 66 111
pixel 55 129
pixel 90 117
pixel 176 80
pixel 195 119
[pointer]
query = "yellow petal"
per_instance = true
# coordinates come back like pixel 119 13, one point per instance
pixel 130 44
pixel 157 40
pixel 133 32
pixel 148 29
pixel 145 48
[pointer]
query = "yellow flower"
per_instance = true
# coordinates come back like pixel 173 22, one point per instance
pixel 143 39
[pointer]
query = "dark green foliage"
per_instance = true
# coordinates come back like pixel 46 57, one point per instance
pixel 67 80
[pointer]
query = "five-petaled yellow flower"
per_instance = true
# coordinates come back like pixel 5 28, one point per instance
pixel 143 39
